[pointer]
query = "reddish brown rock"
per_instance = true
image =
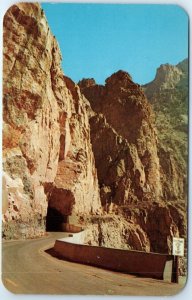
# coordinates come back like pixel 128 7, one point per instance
pixel 124 139
pixel 76 179
pixel 45 124
pixel 129 165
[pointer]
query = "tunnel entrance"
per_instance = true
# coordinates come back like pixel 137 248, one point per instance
pixel 55 220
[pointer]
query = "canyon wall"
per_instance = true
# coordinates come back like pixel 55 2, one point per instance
pixel 124 140
pixel 168 95
pixel 86 153
pixel 46 136
pixel 133 171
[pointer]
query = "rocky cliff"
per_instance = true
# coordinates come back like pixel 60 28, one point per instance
pixel 124 140
pixel 168 94
pixel 125 145
pixel 46 136
pixel 81 153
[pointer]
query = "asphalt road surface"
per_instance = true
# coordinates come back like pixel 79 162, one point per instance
pixel 27 269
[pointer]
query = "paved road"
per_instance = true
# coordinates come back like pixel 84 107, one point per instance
pixel 28 269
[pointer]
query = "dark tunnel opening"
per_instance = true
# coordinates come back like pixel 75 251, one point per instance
pixel 55 220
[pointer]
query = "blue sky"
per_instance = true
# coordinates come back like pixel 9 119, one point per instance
pixel 97 40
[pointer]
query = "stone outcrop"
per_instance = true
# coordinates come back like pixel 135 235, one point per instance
pixel 168 94
pixel 131 165
pixel 124 140
pixel 76 178
pixel 116 231
pixel 46 138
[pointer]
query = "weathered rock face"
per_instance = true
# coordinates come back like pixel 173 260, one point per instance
pixel 131 165
pixel 115 231
pixel 124 140
pixel 168 94
pixel 76 179
pixel 167 77
pixel 46 134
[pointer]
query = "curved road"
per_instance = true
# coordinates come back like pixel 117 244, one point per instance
pixel 27 269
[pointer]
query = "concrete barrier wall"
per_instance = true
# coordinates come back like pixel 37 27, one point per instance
pixel 77 238
pixel 133 262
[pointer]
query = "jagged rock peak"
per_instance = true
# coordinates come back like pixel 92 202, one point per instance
pixel 86 83
pixel 168 76
pixel 120 77
pixel 118 87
